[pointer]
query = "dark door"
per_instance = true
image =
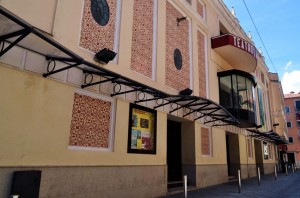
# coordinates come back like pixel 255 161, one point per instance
pixel 291 158
pixel 174 151
pixel 233 154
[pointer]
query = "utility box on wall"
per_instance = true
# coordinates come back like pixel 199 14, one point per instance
pixel 26 183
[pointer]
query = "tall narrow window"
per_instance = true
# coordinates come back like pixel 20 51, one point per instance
pixel 297 106
pixel 287 109
pixel 289 124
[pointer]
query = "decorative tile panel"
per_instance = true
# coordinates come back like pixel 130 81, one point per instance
pixel 205 141
pixel 142 37
pixel 201 64
pixel 91 121
pixel 177 37
pixel 249 142
pixel 200 9
pixel 95 37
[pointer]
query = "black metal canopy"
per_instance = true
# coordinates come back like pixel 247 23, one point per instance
pixel 16 32
pixel 268 136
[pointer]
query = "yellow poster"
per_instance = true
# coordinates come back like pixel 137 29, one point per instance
pixel 142 129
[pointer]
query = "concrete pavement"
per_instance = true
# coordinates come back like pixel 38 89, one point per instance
pixel 283 187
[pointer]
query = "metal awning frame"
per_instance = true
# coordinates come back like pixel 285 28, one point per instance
pixel 201 107
pixel 269 136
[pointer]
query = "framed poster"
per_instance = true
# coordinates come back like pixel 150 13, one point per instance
pixel 142 130
pixel 266 150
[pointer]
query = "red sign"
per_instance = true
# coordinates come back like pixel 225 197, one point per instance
pixel 233 40
pixel 282 147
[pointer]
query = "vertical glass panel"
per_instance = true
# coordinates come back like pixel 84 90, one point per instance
pixel 254 98
pixel 225 92
pixel 250 95
pixel 297 104
pixel 235 92
pixel 242 92
pixel 261 107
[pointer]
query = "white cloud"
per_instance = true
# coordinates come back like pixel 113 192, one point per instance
pixel 289 64
pixel 291 81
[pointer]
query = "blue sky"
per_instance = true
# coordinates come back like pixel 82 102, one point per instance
pixel 278 23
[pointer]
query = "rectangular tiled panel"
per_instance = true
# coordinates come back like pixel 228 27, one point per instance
pixel 142 37
pixel 201 64
pixel 200 9
pixel 90 125
pixel 98 35
pixel 205 141
pixel 177 37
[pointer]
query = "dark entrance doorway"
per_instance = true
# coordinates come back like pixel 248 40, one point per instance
pixel 233 154
pixel 291 158
pixel 174 153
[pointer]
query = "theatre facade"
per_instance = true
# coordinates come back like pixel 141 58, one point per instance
pixel 114 98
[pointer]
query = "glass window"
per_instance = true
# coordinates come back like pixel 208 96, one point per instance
pixel 261 106
pixel 287 109
pixel 225 92
pixel 291 140
pixel 236 91
pixel 298 123
pixel 297 106
pixel 242 92
pixel 250 97
pixel 288 124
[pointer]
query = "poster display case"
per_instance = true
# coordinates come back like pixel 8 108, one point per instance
pixel 142 130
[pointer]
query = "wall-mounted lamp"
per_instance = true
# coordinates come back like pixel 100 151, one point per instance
pixel 276 124
pixel 179 19
pixel 186 92
pixel 104 56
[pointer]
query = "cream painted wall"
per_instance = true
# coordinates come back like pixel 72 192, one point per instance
pixel 40 14
pixel 188 142
pixel 244 151
pixel 35 125
pixel 218 147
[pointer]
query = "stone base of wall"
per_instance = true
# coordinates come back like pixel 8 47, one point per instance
pixel 248 171
pixel 269 168
pixel 208 175
pixel 78 182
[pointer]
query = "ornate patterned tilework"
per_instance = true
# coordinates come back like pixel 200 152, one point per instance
pixel 142 37
pixel 90 125
pixel 200 9
pixel 249 142
pixel 201 64
pixel 93 36
pixel 177 36
pixel 205 141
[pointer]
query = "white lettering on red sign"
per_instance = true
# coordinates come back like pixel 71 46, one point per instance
pixel 242 44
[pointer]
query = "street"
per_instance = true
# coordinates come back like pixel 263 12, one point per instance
pixel 284 186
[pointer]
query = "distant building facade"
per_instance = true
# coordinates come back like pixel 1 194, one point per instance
pixel 112 98
pixel 292 113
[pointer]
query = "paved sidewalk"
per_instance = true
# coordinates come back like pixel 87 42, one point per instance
pixel 283 187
